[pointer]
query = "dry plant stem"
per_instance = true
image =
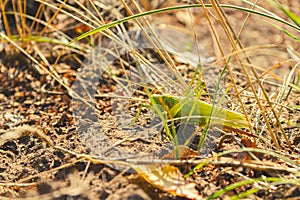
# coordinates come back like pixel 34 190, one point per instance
pixel 215 161
pixel 52 28
pixel 10 184
pixel 218 161
pixel 266 72
pixel 238 41
pixel 217 10
pixel 40 69
pixel 56 13
pixel 272 108
pixel 86 19
pixel 37 14
pixel 52 18
pixel 107 33
pixel 99 17
pixel 86 170
pixel 222 161
pixel 261 86
pixel 22 17
pixel 229 36
pixel 228 162
pixel 24 130
pixel 30 178
pixel 259 82
pixel 16 19
pixel 164 55
pixel 226 64
pixel 85 22
pixel 44 59
pixel 4 18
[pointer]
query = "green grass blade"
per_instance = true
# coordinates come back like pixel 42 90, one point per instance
pixel 288 13
pixel 273 180
pixel 245 194
pixel 151 12
pixel 41 39
pixel 231 187
pixel 287 33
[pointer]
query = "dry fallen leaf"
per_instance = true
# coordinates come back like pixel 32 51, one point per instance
pixel 168 178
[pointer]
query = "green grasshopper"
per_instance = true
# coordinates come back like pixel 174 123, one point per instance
pixel 198 112
pixel 191 111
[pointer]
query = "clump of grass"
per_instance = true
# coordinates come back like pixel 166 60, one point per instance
pixel 264 104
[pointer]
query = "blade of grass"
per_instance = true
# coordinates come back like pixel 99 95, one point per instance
pixel 157 11
pixel 253 190
pixel 46 39
pixel 245 194
pixel 288 13
pixel 287 33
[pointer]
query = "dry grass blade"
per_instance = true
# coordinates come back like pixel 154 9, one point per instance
pixel 38 66
pixel 228 29
pixel 159 49
pixel 5 21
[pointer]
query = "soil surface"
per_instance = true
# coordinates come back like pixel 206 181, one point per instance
pixel 67 113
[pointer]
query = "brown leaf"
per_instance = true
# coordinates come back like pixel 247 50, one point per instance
pixel 168 178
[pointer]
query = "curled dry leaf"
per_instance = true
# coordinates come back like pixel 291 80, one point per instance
pixel 168 178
